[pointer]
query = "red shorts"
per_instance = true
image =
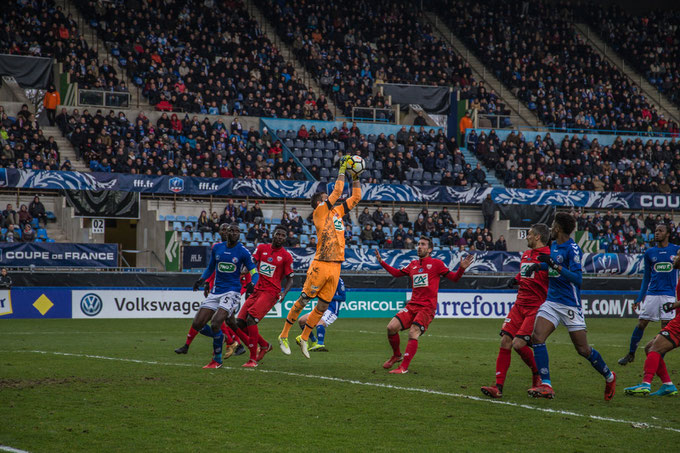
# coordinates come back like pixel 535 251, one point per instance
pixel 415 314
pixel 258 304
pixel 520 322
pixel 672 331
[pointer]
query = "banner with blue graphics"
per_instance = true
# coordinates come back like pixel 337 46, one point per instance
pixel 146 303
pixel 52 254
pixel 196 257
pixel 58 180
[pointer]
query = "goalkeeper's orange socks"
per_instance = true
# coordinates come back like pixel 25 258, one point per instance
pixel 312 320
pixel 293 315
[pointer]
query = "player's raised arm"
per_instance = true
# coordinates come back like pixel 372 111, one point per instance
pixel 394 272
pixel 339 183
pixel 464 264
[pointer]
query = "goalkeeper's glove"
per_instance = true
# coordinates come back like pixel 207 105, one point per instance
pixel 198 284
pixel 343 164
pixel 512 282
pixel 549 261
pixel 669 307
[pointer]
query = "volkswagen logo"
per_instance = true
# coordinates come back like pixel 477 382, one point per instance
pixel 91 304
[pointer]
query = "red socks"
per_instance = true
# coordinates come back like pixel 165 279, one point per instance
pixel 253 335
pixel 651 366
pixel 394 342
pixel 527 355
pixel 411 349
pixel 262 342
pixel 228 333
pixel 191 335
pixel 502 365
pixel 663 372
pixel 243 336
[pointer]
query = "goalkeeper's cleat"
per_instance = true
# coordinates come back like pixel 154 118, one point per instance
pixel 263 351
pixel 240 349
pixel 318 348
pixel 298 339
pixel 399 370
pixel 638 390
pixel 492 391
pixel 229 350
pixel 626 359
pixel 610 388
pixel 250 364
pixel 213 364
pixel 392 360
pixel 304 348
pixel 536 380
pixel 542 391
pixel 666 390
pixel 283 344
pixel 182 349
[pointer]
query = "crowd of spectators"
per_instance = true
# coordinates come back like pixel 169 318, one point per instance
pixel 202 56
pixel 580 163
pixel 416 156
pixel 619 233
pixel 532 47
pixel 649 41
pixel 350 47
pixel 23 225
pixel 23 144
pixel 42 28
pixel 172 146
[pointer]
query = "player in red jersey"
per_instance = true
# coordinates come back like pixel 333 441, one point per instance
pixel 667 340
pixel 419 312
pixel 518 325
pixel 275 265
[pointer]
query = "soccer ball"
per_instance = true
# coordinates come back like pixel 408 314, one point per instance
pixel 356 165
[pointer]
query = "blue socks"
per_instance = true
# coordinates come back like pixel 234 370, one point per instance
pixel 635 339
pixel 207 331
pixel 542 361
pixel 321 333
pixel 597 362
pixel 312 338
pixel 218 338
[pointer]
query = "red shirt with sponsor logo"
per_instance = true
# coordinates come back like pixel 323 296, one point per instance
pixel 425 275
pixel 533 288
pixel 272 265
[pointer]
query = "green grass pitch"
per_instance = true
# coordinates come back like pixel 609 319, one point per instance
pixel 124 389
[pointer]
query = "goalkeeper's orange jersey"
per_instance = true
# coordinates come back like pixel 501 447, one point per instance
pixel 330 230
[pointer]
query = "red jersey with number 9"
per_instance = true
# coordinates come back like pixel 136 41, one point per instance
pixel 272 265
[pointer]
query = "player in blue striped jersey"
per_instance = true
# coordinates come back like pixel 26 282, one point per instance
pixel 563 306
pixel 658 287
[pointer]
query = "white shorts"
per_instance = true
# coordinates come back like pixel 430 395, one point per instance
pixel 229 302
pixel 651 308
pixel 329 317
pixel 571 317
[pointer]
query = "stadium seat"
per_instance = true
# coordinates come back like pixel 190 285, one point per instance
pixel 192 219
pixel 161 217
pixel 196 236
pixel 191 225
pixel 186 236
pixel 304 239
pixel 208 236
pixel 50 216
pixel 181 218
pixel 356 230
pixel 194 243
pixel 50 240
pixel 206 244
pixel 35 223
pixel 218 238
pixel 242 238
pixel 170 217
pixel 42 233
pixel 436 242
pixel 462 226
pixel 177 226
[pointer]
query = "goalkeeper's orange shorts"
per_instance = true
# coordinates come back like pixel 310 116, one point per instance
pixel 322 279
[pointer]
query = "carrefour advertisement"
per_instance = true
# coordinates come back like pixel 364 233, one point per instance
pixel 91 303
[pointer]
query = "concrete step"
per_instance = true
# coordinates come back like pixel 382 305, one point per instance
pixel 654 96
pixel 66 149
pixel 521 115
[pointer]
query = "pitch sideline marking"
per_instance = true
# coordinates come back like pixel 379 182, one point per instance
pixel 373 384
pixel 11 449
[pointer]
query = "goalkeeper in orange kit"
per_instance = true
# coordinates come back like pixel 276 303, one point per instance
pixel 324 271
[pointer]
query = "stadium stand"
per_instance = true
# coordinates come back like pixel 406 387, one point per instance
pixel 580 163
pixel 202 58
pixel 24 144
pixel 351 47
pixel 28 221
pixel 647 41
pixel 534 50
pixel 44 29
pixel 172 146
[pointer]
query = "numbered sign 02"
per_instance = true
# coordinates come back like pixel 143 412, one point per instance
pixel 97 226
